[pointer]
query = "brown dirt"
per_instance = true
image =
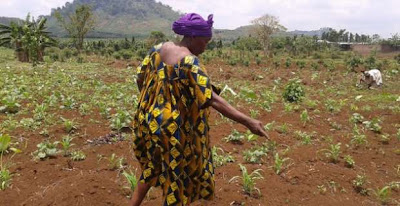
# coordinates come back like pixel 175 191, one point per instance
pixel 58 181
pixel 366 50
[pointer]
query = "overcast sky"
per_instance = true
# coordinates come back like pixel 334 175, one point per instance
pixel 362 16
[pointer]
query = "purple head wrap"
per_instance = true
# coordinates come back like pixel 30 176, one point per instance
pixel 192 24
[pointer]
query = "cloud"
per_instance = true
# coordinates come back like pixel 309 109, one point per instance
pixel 20 8
pixel 362 16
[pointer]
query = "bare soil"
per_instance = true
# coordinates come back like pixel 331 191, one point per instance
pixel 311 179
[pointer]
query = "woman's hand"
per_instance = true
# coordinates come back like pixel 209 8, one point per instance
pixel 227 110
pixel 256 127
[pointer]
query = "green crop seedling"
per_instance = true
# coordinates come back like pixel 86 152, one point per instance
pixel 248 180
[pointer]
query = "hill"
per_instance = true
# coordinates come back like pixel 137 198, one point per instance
pixel 226 34
pixel 125 18
pixel 310 33
pixel 230 35
pixel 7 20
pixel 119 18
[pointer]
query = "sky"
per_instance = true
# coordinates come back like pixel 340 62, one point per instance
pixel 362 16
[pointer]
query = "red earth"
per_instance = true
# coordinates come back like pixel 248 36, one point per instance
pixel 310 179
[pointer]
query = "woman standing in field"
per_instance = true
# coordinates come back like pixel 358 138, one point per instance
pixel 171 131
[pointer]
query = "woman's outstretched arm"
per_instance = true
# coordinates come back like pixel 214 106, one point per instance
pixel 222 106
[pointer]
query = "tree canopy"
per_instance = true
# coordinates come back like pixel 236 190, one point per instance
pixel 79 23
pixel 264 27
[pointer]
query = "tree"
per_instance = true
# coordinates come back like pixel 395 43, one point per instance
pixel 340 36
pixel 364 38
pixel 13 39
pixel 211 45
pixel 219 44
pixel 345 37
pixel 244 44
pixel 357 38
pixel 395 40
pixel 37 39
pixel 79 23
pixel 375 38
pixel 323 36
pixel 264 27
pixel 29 39
pixel 155 37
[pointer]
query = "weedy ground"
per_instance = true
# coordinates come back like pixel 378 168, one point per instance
pixel 339 144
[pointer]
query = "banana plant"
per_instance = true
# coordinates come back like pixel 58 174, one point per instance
pixel 28 38
pixel 12 36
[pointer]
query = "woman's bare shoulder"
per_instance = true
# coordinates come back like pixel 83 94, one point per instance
pixel 171 52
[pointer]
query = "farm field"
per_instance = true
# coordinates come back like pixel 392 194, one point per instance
pixel 340 145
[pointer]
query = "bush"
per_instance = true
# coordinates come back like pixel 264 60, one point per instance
pixel 117 55
pixel 232 61
pixel 329 65
pixel 206 59
pixel 74 52
pixel 258 60
pixel 288 62
pixel 141 53
pixel 335 55
pixel 294 91
pixel 54 56
pixel 354 62
pixel 314 65
pixel 317 55
pixel 88 52
pixel 109 51
pixel 277 63
pixel 51 50
pixel 80 59
pixel 67 53
pixel 246 62
pixel 371 62
pixel 301 64
pixel 397 58
pixel 126 54
pixel 103 52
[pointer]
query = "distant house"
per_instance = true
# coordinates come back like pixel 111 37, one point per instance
pixel 345 46
pixel 323 41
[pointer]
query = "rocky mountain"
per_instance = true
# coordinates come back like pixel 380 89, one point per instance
pixel 120 18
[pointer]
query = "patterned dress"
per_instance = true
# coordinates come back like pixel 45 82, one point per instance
pixel 171 131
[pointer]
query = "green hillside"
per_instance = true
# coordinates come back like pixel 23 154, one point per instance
pixel 7 20
pixel 119 18
pixel 230 35
pixel 125 18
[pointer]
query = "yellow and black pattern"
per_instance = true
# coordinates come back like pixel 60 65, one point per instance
pixel 171 131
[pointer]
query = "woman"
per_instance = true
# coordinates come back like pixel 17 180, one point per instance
pixel 171 131
pixel 371 77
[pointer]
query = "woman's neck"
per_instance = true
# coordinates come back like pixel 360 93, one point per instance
pixel 186 42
